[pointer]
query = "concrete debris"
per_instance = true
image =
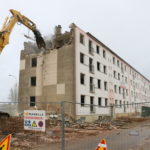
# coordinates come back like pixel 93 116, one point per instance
pixel 145 125
pixel 54 41
pixel 118 133
pixel 25 144
pixel 50 133
pixel 27 139
pixel 134 133
pixel 113 127
pixel 60 39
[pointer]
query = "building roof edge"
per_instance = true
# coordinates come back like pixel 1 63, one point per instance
pixel 94 38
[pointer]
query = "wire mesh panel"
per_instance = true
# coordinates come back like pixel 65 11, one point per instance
pixel 86 126
pixel 76 126
pixel 123 129
pixel 25 130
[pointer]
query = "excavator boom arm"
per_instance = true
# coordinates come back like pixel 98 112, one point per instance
pixel 9 25
pixel 24 20
pixel 6 31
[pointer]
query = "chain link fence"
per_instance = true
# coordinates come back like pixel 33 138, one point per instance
pixel 76 126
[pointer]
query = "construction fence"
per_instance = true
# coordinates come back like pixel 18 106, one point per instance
pixel 72 126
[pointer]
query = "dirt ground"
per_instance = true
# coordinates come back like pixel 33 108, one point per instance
pixel 30 139
pixel 134 137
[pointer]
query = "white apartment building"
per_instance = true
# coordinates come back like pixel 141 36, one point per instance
pixel 97 77
pixel 103 78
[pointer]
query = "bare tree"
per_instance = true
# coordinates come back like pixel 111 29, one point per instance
pixel 13 95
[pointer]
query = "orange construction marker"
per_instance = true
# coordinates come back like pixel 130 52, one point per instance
pixel 102 145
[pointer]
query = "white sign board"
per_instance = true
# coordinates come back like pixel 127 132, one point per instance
pixel 34 120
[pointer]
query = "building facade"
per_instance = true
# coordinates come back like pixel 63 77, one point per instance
pixel 79 68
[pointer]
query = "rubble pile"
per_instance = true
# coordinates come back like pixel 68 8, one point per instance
pixel 27 139
pixel 125 121
pixel 11 125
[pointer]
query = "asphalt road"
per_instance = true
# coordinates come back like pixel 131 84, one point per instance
pixel 122 139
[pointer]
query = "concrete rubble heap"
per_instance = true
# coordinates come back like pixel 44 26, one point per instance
pixel 27 139
pixel 55 41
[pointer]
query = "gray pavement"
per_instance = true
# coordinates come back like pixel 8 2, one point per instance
pixel 137 138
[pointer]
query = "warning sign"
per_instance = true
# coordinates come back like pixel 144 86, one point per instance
pixel 34 124
pixel 34 120
pixel 5 143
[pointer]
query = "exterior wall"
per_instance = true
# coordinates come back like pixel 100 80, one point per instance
pixel 54 77
pixel 84 68
pixel 135 86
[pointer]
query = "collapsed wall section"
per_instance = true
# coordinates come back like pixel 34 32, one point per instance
pixel 53 73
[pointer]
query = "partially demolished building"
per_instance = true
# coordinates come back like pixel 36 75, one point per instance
pixel 78 68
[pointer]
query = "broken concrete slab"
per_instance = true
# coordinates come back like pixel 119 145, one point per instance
pixel 134 133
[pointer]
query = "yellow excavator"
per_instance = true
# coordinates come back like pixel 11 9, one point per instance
pixel 9 25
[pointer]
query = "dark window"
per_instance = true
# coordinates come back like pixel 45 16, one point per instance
pixel 91 100
pixel 104 53
pixel 120 103
pixel 122 78
pixel 99 101
pixel 34 62
pixel 133 105
pixel 132 93
pixel 118 63
pixel 123 92
pixel 116 102
pixel 118 76
pixel 125 67
pixel 114 60
pixel 81 38
pixel 119 90
pixel 91 80
pixel 32 100
pixel 105 69
pixel 127 104
pixel 91 104
pixel 99 84
pixel 127 92
pixel 90 43
pixel 105 86
pixel 122 68
pixel 97 49
pixel 82 100
pixel 82 58
pixel 91 66
pixel 115 88
pixel 131 82
pixel 114 74
pixel 106 102
pixel 33 81
pixel 92 87
pixel 91 50
pixel 90 61
pixel 82 78
pixel 98 66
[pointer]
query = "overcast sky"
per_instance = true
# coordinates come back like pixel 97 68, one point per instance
pixel 123 25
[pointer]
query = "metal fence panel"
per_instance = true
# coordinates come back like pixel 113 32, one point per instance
pixel 74 126
pixel 26 139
